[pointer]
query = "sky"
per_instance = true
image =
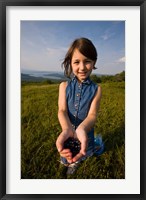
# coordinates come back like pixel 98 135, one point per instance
pixel 43 44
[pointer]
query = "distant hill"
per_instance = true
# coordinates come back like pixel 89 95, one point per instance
pixel 42 76
pixel 27 77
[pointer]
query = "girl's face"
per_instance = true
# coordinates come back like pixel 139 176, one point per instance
pixel 81 65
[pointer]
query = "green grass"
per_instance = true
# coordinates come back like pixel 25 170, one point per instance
pixel 40 129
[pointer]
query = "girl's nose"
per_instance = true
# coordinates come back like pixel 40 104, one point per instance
pixel 82 66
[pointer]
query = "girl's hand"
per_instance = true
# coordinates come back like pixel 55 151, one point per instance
pixel 83 138
pixel 66 153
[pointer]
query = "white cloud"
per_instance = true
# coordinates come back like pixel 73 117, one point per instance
pixel 104 37
pixel 107 35
pixel 56 51
pixel 51 51
pixel 121 60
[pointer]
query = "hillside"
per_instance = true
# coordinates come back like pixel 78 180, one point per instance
pixel 40 129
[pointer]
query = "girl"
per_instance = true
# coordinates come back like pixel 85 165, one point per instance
pixel 78 103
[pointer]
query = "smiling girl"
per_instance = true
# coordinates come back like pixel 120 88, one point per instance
pixel 78 104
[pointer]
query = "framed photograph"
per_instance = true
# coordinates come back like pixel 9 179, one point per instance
pixel 35 41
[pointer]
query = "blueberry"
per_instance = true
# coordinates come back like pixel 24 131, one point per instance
pixel 73 144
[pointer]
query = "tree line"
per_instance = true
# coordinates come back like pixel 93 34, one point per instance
pixel 108 78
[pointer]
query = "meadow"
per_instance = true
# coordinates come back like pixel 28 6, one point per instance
pixel 40 129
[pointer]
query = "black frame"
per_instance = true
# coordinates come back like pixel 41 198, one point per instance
pixel 3 5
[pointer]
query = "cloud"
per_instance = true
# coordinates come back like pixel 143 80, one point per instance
pixel 55 53
pixel 51 51
pixel 107 35
pixel 121 60
pixel 104 37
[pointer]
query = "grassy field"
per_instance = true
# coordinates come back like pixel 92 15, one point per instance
pixel 40 129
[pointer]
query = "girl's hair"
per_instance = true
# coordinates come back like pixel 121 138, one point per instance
pixel 85 46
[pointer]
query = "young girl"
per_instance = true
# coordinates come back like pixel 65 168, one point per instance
pixel 78 103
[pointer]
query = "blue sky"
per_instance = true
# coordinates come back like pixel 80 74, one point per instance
pixel 45 43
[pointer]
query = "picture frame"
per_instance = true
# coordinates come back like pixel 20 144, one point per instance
pixel 3 99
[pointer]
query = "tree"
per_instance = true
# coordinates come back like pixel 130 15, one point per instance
pixel 95 78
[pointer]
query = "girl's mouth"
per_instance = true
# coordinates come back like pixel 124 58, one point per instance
pixel 82 73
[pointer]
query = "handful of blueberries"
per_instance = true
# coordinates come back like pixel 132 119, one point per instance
pixel 73 144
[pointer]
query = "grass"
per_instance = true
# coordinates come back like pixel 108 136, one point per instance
pixel 40 129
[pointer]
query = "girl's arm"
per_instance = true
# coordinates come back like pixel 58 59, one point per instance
pixel 65 124
pixel 87 124
pixel 91 118
pixel 62 108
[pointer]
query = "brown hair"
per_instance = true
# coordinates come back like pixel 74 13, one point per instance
pixel 85 46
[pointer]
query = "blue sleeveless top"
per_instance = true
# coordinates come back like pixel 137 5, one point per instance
pixel 79 97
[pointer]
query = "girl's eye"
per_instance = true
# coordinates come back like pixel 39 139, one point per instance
pixel 88 61
pixel 76 62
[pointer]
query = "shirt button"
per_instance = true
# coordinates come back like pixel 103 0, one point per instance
pixel 73 126
pixel 78 94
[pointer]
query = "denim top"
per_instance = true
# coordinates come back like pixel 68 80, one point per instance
pixel 79 97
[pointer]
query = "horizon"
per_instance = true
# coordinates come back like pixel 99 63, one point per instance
pixel 28 71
